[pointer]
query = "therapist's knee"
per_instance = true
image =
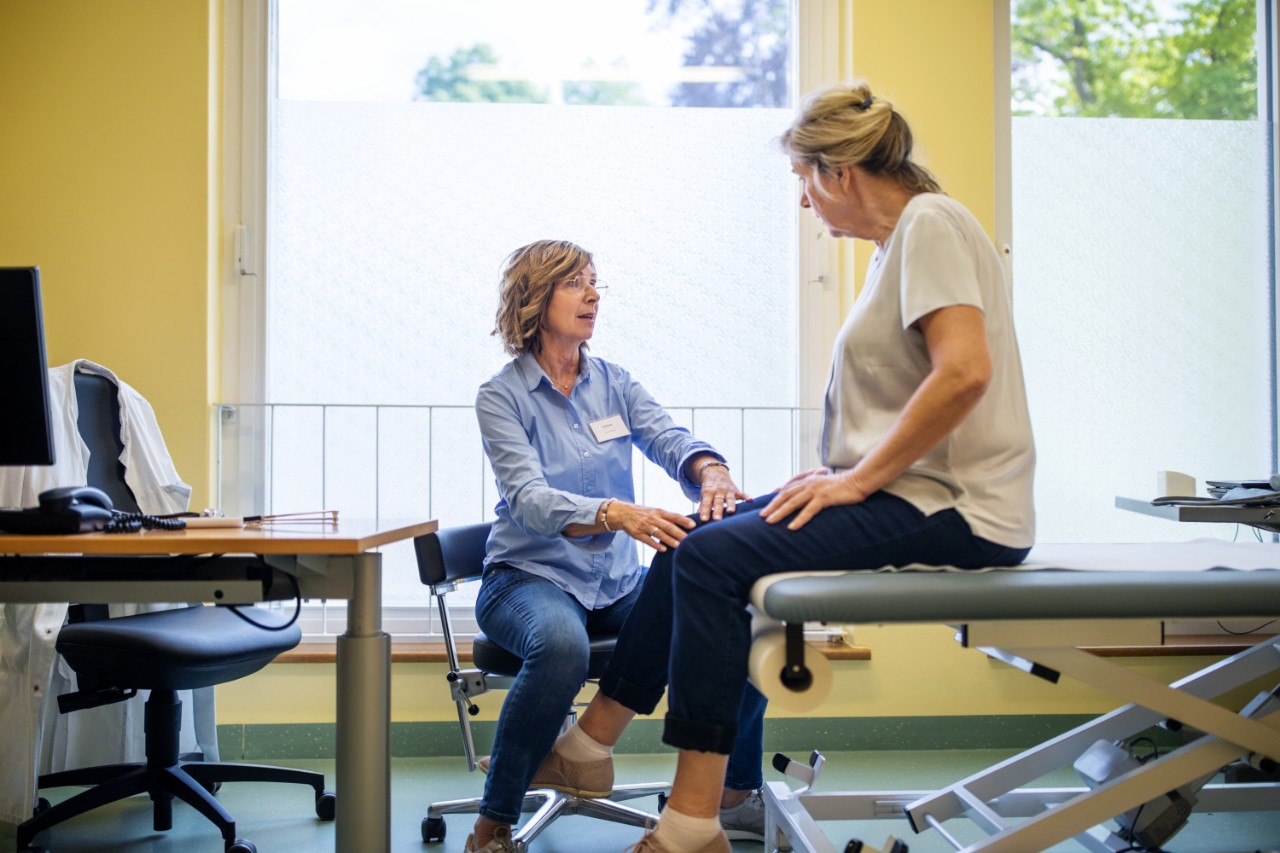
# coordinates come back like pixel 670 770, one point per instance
pixel 561 648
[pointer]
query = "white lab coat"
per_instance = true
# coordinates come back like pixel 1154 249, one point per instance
pixel 37 739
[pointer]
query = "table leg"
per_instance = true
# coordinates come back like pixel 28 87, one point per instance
pixel 364 717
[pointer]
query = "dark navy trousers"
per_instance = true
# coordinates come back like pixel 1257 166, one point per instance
pixel 691 626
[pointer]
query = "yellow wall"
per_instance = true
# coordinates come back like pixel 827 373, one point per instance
pixel 934 61
pixel 108 165
pixel 915 671
pixel 109 175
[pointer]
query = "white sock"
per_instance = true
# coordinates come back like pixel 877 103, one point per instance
pixel 577 745
pixel 676 831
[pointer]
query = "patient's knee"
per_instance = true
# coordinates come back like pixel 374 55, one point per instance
pixel 700 563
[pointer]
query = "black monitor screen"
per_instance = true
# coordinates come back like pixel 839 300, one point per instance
pixel 25 434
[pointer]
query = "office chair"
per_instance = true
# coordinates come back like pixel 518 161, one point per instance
pixel 162 651
pixel 447 559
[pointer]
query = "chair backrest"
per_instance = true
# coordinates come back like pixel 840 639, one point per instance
pixel 98 421
pixel 452 554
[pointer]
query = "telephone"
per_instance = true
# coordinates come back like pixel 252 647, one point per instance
pixel 60 500
pixel 69 509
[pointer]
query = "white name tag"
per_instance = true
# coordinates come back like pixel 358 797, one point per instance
pixel 607 429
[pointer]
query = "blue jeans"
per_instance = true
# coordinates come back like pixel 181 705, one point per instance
pixel 692 610
pixel 548 628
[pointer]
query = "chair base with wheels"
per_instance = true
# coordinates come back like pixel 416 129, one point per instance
pixel 164 652
pixel 446 559
pixel 547 804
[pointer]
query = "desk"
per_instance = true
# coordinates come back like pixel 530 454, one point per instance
pixel 1262 517
pixel 329 561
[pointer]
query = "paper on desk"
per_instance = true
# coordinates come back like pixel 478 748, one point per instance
pixel 208 521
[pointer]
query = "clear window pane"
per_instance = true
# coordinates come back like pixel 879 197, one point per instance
pixel 1193 59
pixel 689 53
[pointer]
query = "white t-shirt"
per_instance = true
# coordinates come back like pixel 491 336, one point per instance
pixel 938 255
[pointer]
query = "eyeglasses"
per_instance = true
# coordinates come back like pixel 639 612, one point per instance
pixel 578 287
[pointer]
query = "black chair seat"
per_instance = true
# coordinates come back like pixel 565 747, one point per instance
pixel 176 649
pixel 491 657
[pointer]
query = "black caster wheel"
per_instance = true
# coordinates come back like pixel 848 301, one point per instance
pixel 211 787
pixel 432 829
pixel 42 805
pixel 326 805
pixel 241 845
pixel 662 802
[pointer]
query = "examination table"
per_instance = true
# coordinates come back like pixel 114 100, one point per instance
pixel 1035 617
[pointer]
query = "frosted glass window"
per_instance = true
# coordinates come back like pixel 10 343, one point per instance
pixel 391 222
pixel 1142 293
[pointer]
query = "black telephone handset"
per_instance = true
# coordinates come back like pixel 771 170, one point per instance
pixel 81 509
pixel 56 501
pixel 76 509
pixel 70 509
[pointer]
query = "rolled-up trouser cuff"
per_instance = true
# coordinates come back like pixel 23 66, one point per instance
pixel 704 737
pixel 639 699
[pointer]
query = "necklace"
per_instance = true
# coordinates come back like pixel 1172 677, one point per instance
pixel 564 387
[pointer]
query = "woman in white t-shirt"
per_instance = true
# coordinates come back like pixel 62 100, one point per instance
pixel 926 448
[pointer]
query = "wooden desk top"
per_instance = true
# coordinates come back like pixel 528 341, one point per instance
pixel 348 536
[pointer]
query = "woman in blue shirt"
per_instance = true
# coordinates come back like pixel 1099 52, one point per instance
pixel 558 426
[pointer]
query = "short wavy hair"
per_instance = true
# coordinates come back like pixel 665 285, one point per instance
pixel 847 125
pixel 529 277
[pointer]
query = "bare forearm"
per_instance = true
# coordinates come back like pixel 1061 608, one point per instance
pixel 939 405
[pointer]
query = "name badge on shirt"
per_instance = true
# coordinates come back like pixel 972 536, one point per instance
pixel 607 429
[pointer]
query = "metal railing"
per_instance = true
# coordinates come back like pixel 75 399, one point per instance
pixel 389 461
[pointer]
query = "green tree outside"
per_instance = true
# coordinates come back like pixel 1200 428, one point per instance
pixel 603 93
pixel 1216 72
pixel 449 80
pixel 1121 58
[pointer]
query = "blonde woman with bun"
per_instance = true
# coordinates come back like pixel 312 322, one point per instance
pixel 926 449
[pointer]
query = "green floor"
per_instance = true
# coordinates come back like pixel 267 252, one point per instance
pixel 280 819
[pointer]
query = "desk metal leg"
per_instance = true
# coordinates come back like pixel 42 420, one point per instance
pixel 364 717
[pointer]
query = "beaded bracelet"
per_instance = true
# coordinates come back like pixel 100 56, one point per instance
pixel 604 514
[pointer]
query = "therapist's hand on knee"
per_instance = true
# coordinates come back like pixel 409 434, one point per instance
pixel 658 528
pixel 720 495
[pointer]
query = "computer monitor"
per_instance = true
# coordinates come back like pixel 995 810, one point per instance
pixel 26 436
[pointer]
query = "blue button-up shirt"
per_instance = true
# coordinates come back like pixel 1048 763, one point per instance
pixel 552 472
